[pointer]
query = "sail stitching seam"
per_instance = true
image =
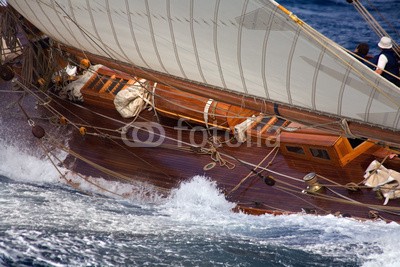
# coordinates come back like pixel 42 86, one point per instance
pixel 239 45
pixel 215 36
pixel 173 40
pixel 113 31
pixel 153 37
pixel 196 52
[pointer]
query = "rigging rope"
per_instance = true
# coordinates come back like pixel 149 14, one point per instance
pixel 8 33
pixel 324 42
pixel 52 109
pixel 76 185
pixel 286 189
pixel 383 18
pixel 212 151
pixel 97 166
pixel 374 24
pixel 250 174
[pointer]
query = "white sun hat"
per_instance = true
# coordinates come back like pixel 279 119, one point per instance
pixel 385 43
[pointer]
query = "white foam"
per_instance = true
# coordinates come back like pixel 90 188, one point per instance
pixel 197 198
pixel 26 165
pixel 140 193
pixel 195 211
pixel 387 238
pixel 199 205
pixel 196 207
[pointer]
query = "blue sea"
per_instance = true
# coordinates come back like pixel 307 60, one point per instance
pixel 44 222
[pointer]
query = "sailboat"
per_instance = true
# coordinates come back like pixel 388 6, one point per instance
pixel 280 117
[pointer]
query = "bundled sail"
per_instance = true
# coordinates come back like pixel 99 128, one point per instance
pixel 254 48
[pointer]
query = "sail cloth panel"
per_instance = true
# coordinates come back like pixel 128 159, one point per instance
pixel 247 46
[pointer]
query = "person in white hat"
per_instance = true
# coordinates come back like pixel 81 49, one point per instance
pixel 387 60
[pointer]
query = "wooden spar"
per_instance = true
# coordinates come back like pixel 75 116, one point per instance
pixel 358 129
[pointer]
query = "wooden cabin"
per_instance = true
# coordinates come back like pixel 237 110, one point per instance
pixel 295 140
pixel 310 144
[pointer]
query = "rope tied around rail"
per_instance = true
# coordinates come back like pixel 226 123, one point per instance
pixel 217 157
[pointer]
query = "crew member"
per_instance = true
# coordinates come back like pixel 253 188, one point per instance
pixel 387 62
pixel 362 50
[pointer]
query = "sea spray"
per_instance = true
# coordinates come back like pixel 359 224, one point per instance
pixel 43 221
pixel 25 165
pixel 197 197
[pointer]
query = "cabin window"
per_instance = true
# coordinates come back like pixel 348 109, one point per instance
pixel 320 153
pixel 295 149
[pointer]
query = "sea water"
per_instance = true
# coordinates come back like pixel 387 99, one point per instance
pixel 340 21
pixel 44 222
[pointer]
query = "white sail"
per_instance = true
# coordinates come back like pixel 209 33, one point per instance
pixel 252 47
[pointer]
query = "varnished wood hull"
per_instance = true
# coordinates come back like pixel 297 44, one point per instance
pixel 241 171
pixel 168 164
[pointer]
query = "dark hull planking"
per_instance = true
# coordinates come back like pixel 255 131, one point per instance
pixel 167 165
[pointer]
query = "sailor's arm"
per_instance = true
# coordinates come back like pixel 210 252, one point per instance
pixel 382 61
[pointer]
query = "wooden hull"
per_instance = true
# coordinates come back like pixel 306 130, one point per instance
pixel 169 163
pixel 265 173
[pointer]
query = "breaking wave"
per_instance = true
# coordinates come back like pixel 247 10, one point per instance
pixel 44 222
